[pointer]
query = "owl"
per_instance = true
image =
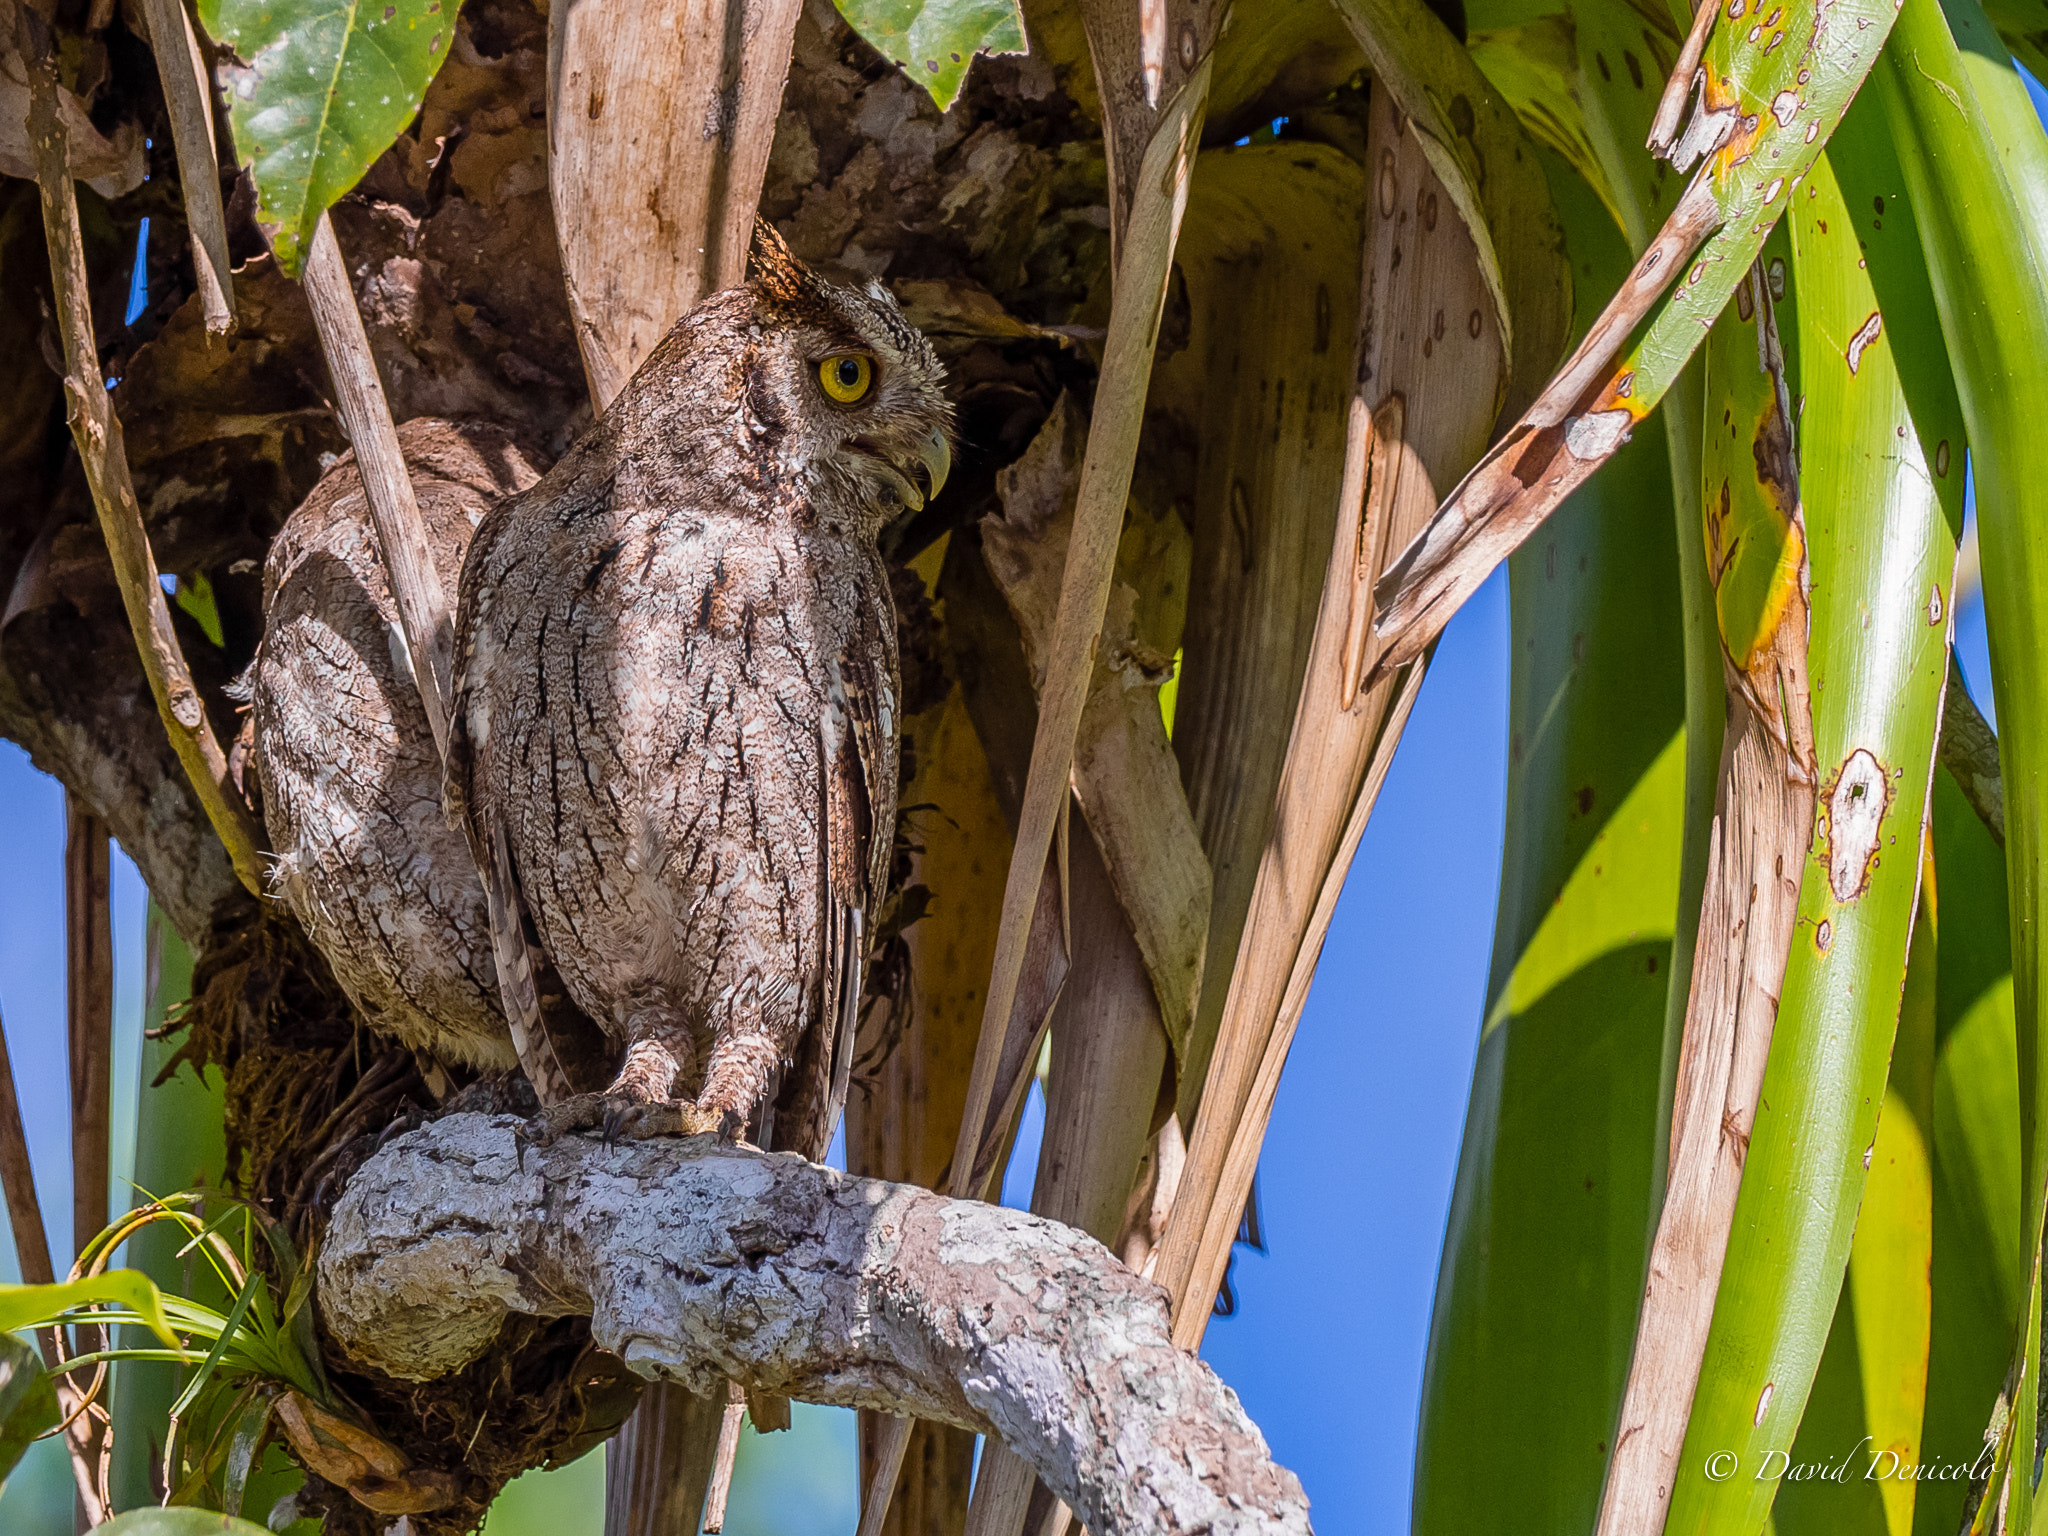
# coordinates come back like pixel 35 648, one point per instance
pixel 350 776
pixel 676 698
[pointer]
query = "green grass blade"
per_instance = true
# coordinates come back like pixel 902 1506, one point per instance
pixel 1979 246
pixel 1550 1215
pixel 179 1521
pixel 1976 1260
pixel 37 1306
pixel 178 1142
pixel 2022 29
pixel 252 1421
pixel 2008 113
pixel 223 1342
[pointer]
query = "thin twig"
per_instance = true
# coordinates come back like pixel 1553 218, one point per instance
pixel 97 431
pixel 17 1177
pixel 89 1021
pixel 424 611
pixel 89 968
pixel 891 1442
pixel 181 66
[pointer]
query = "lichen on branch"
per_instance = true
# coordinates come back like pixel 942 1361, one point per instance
pixel 699 1263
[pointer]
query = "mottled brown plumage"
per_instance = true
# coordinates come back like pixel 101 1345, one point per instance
pixel 350 776
pixel 677 694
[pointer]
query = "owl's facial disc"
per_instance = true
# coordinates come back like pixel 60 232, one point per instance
pixel 883 417
pixel 875 406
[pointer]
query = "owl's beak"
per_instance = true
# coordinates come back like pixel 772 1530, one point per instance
pixel 930 462
pixel 936 454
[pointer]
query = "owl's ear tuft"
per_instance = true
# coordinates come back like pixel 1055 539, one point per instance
pixel 776 268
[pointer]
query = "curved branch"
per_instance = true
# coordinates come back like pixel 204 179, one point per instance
pixel 701 1263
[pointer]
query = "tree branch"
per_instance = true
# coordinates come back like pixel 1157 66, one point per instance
pixel 1969 750
pixel 702 1263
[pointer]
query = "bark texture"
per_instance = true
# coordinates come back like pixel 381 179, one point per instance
pixel 699 1263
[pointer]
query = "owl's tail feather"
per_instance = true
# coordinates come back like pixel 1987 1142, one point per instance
pixel 853 966
pixel 530 1037
pixel 846 943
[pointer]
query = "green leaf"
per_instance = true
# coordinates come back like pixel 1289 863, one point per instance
pixel 1785 102
pixel 250 1426
pixel 178 1140
pixel 318 90
pixel 1869 1400
pixel 933 41
pixel 1557 74
pixel 28 1403
pixel 33 1306
pixel 1882 529
pixel 2023 28
pixel 221 1344
pixel 1595 75
pixel 1945 1295
pixel 1976 1262
pixel 1551 1213
pixel 1983 254
pixel 1777 83
pixel 177 1521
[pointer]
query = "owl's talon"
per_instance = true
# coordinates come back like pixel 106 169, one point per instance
pixel 523 1136
pixel 620 1117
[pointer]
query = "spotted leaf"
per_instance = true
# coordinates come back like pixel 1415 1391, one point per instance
pixel 317 90
pixel 933 41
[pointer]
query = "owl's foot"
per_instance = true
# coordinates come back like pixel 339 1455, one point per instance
pixel 625 1117
pixel 679 1117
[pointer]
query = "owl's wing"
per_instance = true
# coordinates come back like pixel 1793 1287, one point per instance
pixel 458 794
pixel 857 794
pixel 518 987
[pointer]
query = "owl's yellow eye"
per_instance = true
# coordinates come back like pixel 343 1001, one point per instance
pixel 847 378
